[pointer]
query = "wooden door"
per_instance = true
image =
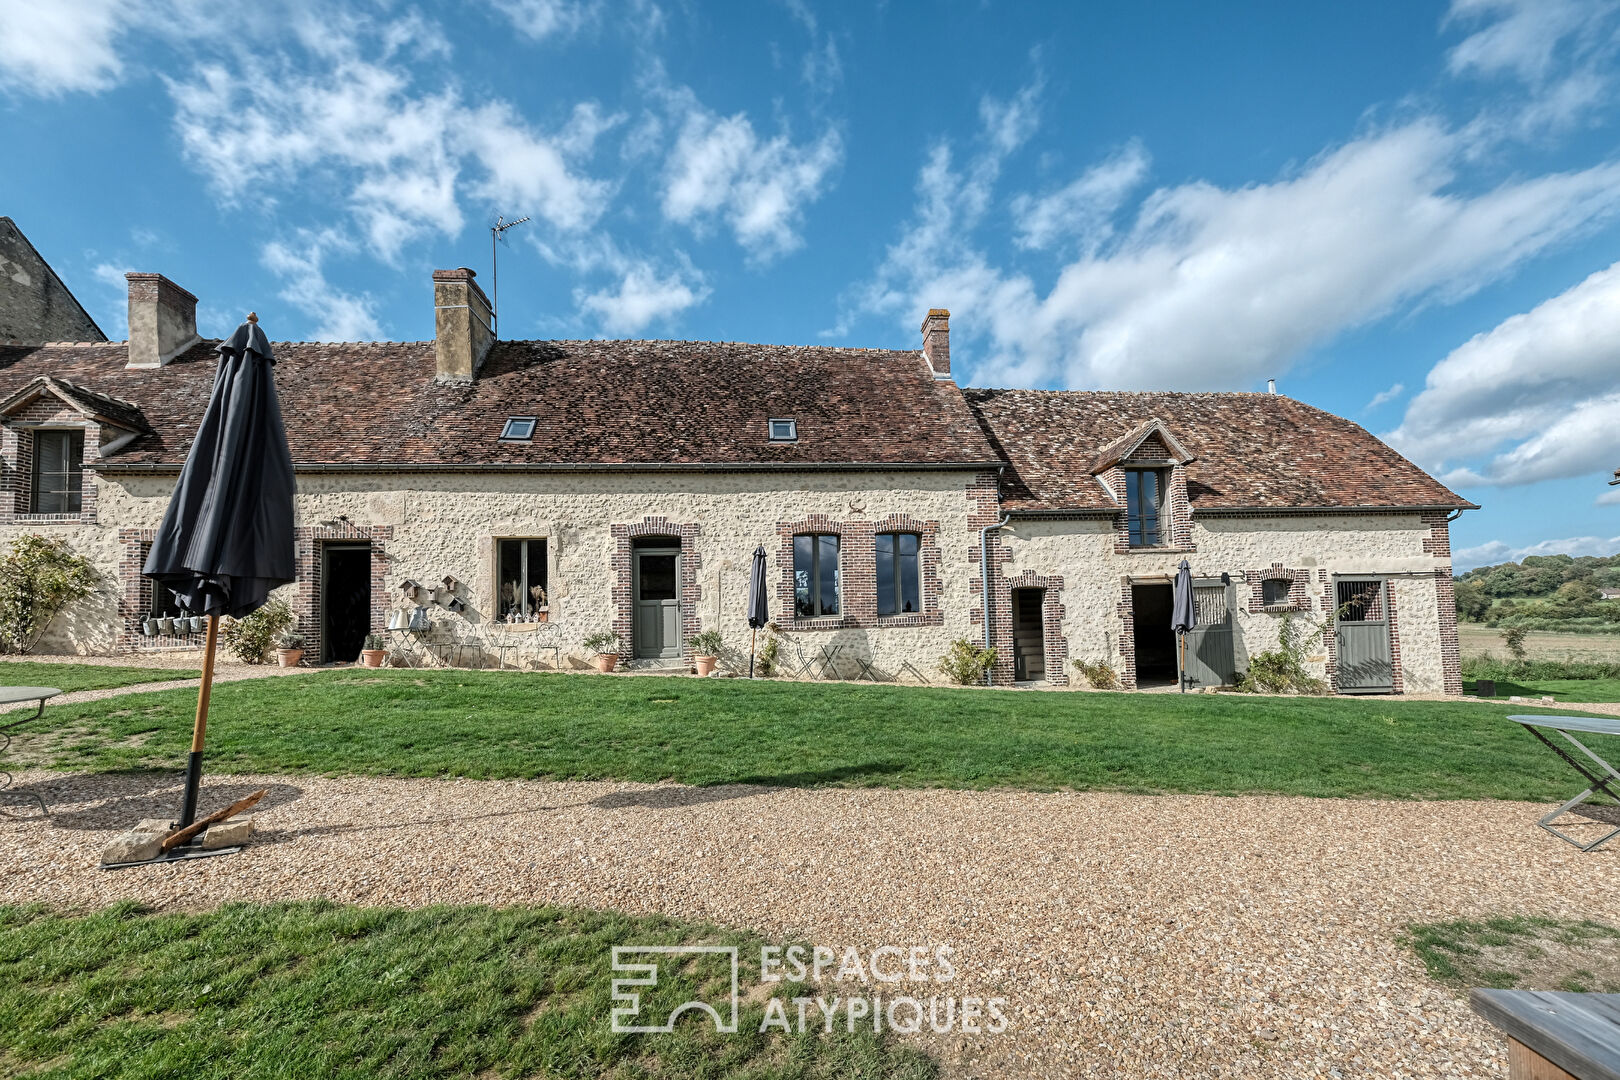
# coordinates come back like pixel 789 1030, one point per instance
pixel 1365 661
pixel 1211 646
pixel 657 603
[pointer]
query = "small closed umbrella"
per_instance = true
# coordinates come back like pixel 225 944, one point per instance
pixel 1183 618
pixel 227 538
pixel 759 612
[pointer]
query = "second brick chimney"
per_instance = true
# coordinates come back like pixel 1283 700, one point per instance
pixel 936 349
pixel 162 320
pixel 461 330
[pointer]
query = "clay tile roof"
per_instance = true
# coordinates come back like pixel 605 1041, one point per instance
pixel 1249 451
pixel 600 403
pixel 113 410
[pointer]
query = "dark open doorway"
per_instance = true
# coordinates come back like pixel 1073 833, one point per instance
pixel 345 601
pixel 1155 643
pixel 1029 635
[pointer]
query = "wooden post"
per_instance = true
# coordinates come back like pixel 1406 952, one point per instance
pixel 753 640
pixel 199 728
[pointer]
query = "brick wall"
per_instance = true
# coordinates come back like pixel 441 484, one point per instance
pixel 1054 646
pixel 17 461
pixel 1175 517
pixel 1127 635
pixel 857 572
pixel 135 597
pixel 1299 588
pixel 308 545
pixel 624 592
pixel 1438 544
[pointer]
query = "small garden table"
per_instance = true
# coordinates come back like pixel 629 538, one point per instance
pixel 1553 1034
pixel 1599 774
pixel 12 695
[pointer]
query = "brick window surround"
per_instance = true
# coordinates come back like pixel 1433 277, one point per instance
pixel 17 463
pixel 309 544
pixel 135 596
pixel 1299 589
pixel 624 592
pixel 1054 646
pixel 1175 516
pixel 857 572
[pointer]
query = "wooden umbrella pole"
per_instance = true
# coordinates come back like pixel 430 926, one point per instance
pixel 753 641
pixel 188 809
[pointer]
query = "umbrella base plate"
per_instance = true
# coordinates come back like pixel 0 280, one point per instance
pixel 179 854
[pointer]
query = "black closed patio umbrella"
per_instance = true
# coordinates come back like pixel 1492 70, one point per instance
pixel 1183 619
pixel 759 612
pixel 227 537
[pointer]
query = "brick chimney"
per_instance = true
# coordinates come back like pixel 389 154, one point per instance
pixel 936 332
pixel 162 320
pixel 461 330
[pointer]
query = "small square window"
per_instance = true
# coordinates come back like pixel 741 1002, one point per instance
pixel 784 431
pixel 518 429
pixel 1274 592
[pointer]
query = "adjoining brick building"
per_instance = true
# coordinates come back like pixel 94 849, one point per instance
pixel 624 485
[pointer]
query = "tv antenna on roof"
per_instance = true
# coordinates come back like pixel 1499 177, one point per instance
pixel 497 232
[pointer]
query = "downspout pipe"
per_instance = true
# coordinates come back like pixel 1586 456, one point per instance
pixel 984 565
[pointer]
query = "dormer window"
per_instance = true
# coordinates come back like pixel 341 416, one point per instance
pixel 58 471
pixel 1144 499
pixel 784 430
pixel 518 429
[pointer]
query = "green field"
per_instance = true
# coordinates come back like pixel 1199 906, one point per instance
pixel 1574 691
pixel 69 677
pixel 1475 638
pixel 253 992
pixel 491 724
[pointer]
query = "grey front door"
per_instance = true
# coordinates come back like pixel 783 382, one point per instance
pixel 1365 664
pixel 658 605
pixel 1211 652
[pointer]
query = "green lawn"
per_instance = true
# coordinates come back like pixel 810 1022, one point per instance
pixel 70 677
pixel 250 991
pixel 1571 690
pixel 489 724
pixel 1521 952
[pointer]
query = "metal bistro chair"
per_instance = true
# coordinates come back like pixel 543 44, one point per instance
pixel 829 662
pixel 796 663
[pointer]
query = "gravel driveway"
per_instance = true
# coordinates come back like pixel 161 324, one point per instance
pixel 1168 936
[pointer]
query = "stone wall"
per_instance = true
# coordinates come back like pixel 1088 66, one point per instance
pixel 427 527
pixel 1309 551
pixel 35 307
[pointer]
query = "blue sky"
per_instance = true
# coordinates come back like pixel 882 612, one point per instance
pixel 1404 212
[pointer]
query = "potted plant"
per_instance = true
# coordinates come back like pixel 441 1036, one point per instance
pixel 706 650
pixel 599 644
pixel 375 650
pixel 290 648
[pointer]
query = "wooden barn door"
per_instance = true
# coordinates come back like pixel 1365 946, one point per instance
pixel 1211 648
pixel 1362 624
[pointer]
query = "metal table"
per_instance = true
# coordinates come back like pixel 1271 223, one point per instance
pixel 1599 774
pixel 12 695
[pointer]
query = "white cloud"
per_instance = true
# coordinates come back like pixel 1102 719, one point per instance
pixel 1083 209
pixel 1384 397
pixel 1608 498
pixel 1495 551
pixel 62 46
pixel 1212 287
pixel 1561 51
pixel 641 298
pixel 540 19
pixel 1536 395
pixel 339 315
pixel 720 167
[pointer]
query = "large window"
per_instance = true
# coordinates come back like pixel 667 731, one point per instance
pixel 815 575
pixel 1143 498
pixel 897 590
pixel 520 579
pixel 58 472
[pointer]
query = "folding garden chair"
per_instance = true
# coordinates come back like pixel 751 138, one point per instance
pixel 907 665
pixel 867 671
pixel 796 664
pixel 1599 774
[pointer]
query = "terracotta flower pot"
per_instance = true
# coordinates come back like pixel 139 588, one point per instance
pixel 373 657
pixel 289 657
pixel 705 664
pixel 605 661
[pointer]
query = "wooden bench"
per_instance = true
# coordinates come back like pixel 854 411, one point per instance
pixel 1555 1036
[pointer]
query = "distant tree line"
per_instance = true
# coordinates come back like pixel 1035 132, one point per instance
pixel 1544 592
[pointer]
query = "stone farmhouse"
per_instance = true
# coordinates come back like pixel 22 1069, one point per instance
pixel 582 486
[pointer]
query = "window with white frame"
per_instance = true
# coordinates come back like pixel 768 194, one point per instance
pixel 520 579
pixel 58 471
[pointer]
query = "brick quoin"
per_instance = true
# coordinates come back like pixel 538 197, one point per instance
pixel 1054 646
pixel 624 591
pixel 1438 544
pixel 308 547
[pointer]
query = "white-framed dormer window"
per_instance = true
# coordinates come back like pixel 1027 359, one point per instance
pixel 784 430
pixel 518 429
pixel 58 480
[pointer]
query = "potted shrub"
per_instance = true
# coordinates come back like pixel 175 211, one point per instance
pixel 375 650
pixel 599 645
pixel 706 650
pixel 290 648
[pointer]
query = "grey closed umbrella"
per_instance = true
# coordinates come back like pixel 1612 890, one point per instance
pixel 1183 618
pixel 759 612
pixel 227 537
